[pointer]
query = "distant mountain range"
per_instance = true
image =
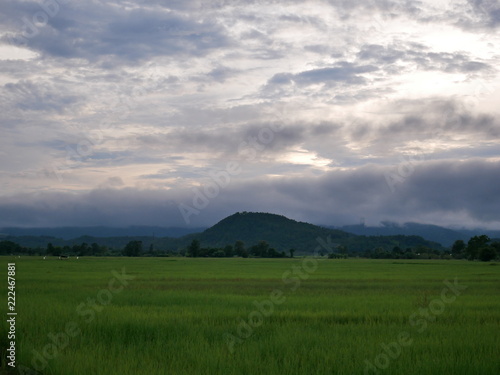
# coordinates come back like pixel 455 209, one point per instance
pixel 444 236
pixel 67 233
pixel 278 231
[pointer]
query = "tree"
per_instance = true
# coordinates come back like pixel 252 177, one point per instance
pixel 474 246
pixel 51 249
pixel 218 253
pixel 9 247
pixel 133 249
pixel 487 253
pixel 261 249
pixel 292 251
pixel 496 246
pixel 228 251
pixel 194 249
pixel 95 249
pixel 239 249
pixel 458 248
pixel 84 249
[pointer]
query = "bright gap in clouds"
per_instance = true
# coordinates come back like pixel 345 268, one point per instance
pixel 305 157
pixel 15 53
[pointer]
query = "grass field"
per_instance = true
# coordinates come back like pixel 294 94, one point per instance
pixel 253 316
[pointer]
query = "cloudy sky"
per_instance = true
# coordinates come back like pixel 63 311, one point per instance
pixel 180 112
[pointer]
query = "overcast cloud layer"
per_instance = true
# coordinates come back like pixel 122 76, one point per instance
pixel 178 113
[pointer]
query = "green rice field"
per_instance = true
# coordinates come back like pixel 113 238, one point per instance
pixel 130 316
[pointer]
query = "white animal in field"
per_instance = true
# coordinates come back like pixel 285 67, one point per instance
pixel 44 257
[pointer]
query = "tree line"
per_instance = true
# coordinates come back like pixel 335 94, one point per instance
pixel 477 248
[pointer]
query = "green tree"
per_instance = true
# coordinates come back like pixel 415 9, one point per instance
pixel 228 251
pixel 95 249
pixel 261 249
pixel 133 249
pixel 194 249
pixel 84 248
pixel 496 246
pixel 218 253
pixel 343 251
pixel 239 248
pixel 458 248
pixel 487 253
pixel 9 247
pixel 292 251
pixel 51 250
pixel 474 246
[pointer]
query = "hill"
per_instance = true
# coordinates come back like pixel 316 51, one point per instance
pixel 284 234
pixel 280 232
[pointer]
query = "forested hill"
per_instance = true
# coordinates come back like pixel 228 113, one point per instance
pixel 282 233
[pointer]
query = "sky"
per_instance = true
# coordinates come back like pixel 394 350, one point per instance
pixel 180 113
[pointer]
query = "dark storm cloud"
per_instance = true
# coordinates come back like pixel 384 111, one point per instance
pixel 435 119
pixel 345 72
pixel 488 11
pixel 472 186
pixel 221 73
pixel 321 81
pixel 424 59
pixel 434 191
pixel 227 141
pixel 446 116
pixel 102 30
pixel 37 96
